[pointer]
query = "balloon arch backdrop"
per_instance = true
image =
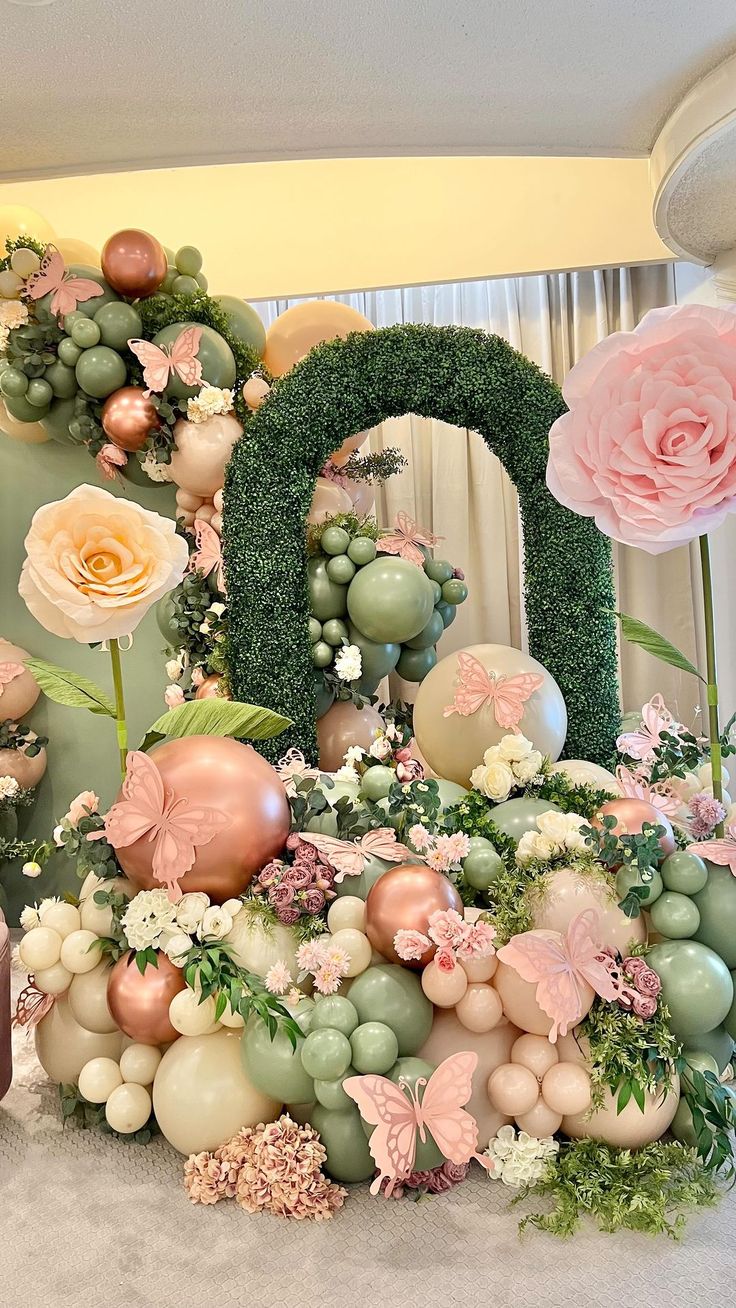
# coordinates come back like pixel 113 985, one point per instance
pixel 459 376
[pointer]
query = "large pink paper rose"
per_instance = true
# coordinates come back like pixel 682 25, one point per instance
pixel 648 448
pixel 95 564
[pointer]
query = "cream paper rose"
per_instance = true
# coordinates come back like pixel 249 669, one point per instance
pixel 96 564
pixel 493 779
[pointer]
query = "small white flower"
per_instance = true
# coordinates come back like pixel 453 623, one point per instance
pixel 349 663
pixel 154 470
pixel 215 923
pixel 512 748
pixel 346 773
pixel 29 917
pixel 9 788
pixel 353 754
pixel 173 669
pixel 191 909
pixel 217 608
pixel 57 836
pixel 204 627
pixel 177 947
pixel 32 869
pixel 173 696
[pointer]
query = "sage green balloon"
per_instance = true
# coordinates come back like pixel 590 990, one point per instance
pixel 13 382
pixel 324 696
pixel 39 393
pixel 183 285
pixel 323 824
pixel 627 877
pixel 334 541
pixel 454 591
pixel 438 570
pixel 85 333
pixel 377 781
pixel 360 886
pixel 675 916
pixel 375 1048
pixel 214 354
pixel 273 1066
pixel 61 378
pixel 718 1043
pixel 315 631
pixel 188 260
pixel 729 1020
pixel 414 664
pixel 335 632
pixel 483 865
pixel 341 569
pixel 391 994
pixel 19 408
pixel 330 1094
pixel 335 1011
pixel 326 1054
pixel 411 1070
pixel 682 1125
pixel 361 550
pixel 133 472
pixel 326 598
pixel 448 613
pixel 378 658
pixel 699 1060
pixel 100 371
pixel 348 1156
pixel 686 873
pixel 390 599
pixel 322 654
pixel 515 816
pixel 716 904
pixel 118 323
pixel 57 420
pixel 430 634
pixel 450 793
pixel 68 352
pixel 696 985
pixel 167 284
pixel 244 323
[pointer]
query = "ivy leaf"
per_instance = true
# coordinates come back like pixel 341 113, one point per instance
pixel 220 717
pixel 638 633
pixel 65 687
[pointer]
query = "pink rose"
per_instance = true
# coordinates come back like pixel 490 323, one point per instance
pixel 109 460
pixel 445 960
pixel 644 1005
pixel 85 803
pixel 281 896
pixel 648 448
pixel 412 770
pixel 647 982
pixel 298 877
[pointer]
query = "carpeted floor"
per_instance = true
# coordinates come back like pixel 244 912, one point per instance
pixel 87 1222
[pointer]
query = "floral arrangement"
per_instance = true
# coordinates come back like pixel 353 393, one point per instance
pixel 299 888
pixel 519 1159
pixel 510 765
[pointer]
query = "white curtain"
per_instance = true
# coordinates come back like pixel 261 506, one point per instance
pixel 456 489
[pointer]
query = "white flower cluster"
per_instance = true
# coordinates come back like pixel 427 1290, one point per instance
pixel 210 401
pixel 197 918
pixel 519 1160
pixel 9 788
pixel 559 833
pixel 154 470
pixel 13 313
pixel 512 763
pixel 348 663
pixel 149 915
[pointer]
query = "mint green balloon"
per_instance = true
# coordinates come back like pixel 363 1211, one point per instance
pixel 86 333
pixel 414 664
pixel 686 873
pixel 19 408
pixel 61 378
pixel 683 1127
pixel 330 1094
pixel 482 866
pixel 438 570
pixel 165 617
pixel 375 1048
pixel 696 985
pixel 391 994
pixel 13 382
pixel 201 281
pixel 315 631
pixel 167 284
pixel 454 591
pixel 378 658
pixel 39 393
pixel 716 903
pixel 335 632
pixel 390 599
pixel 214 354
pixel 100 371
pixel 188 260
pixel 675 916
pixel 348 1156
pixel 450 793
pixel 324 824
pixel 627 877
pixel 322 654
pixel 341 569
pixel 273 1066
pixel 334 541
pixel 448 613
pixel 326 598
pixel 377 781
pixel 183 285
pixel 244 322
pixel 361 550
pixel 57 421
pixel 68 352
pixel 118 323
pixel 337 1012
pixel 361 885
pixel 718 1043
pixel 515 816
pixel 699 1060
pixel 430 633
pixel 326 1054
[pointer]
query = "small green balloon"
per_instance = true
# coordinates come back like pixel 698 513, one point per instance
pixel 68 352
pixel 699 1060
pixel 341 569
pixel 334 540
pixel 86 333
pixel 454 591
pixel 392 994
pixel 13 382
pixel 430 634
pixel 375 1048
pixel 718 1043
pixel 414 664
pixel 62 378
pixel 390 599
pixel 322 654
pixel 326 598
pixel 448 613
pixel 19 408
pixel 118 324
pixel 436 593
pixel 166 618
pixel 326 1054
pixel 482 867
pixel 214 354
pixel 201 281
pixel 516 816
pixel 675 916
pixel 377 781
pixel 361 550
pixel 315 631
pixel 627 877
pixel 438 570
pixel 188 260
pixel 273 1066
pixel 244 322
pixel 378 658
pixel 100 371
pixel 686 873
pixel 335 631
pixel 183 285
pixel 323 824
pixel 696 985
pixel 167 284
pixel 337 1012
pixel 716 903
pixel 39 393
pixel 75 316
pixel 348 1157
pixel 330 1094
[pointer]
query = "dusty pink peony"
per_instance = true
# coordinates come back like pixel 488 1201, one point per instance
pixel 648 448
pixel 82 805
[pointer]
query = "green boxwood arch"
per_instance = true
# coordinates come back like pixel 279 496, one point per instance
pixel 457 375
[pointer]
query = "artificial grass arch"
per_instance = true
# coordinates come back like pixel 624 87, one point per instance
pixel 457 375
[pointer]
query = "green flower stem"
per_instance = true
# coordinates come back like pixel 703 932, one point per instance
pixel 712 685
pixel 122 726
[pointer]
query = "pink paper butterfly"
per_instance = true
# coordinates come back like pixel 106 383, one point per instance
pixel 32 1006
pixel 160 364
pixel 634 786
pixel 656 718
pixel 558 964
pixel 405 539
pixel 8 673
pixel 68 291
pixel 397 1114
pixel 722 852
pixel 506 695
pixel 350 857
pixel 208 554
pixel 148 808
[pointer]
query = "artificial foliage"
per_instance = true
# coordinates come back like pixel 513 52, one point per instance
pixel 456 375
pixel 629 1056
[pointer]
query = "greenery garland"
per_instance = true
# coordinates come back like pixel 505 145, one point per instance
pixel 457 375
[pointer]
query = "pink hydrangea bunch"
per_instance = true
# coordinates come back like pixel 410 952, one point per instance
pixel 300 888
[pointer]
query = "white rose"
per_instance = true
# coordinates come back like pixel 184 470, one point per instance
pixel 492 755
pixel 381 748
pixel 191 909
pixel 527 768
pixel 233 906
pixel 215 924
pixel 495 780
pixel 177 947
pixel 512 748
pixel 526 848
pixel 575 841
pixel 554 825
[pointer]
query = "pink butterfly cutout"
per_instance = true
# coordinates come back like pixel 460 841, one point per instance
pixel 558 964
pixel 148 808
pixel 405 539
pixel 656 718
pixel 397 1114
pixel 208 555
pixel 722 852
pixel 68 291
pixel 506 695
pixel 8 672
pixel 160 364
pixel 635 786
pixel 32 1006
pixel 350 857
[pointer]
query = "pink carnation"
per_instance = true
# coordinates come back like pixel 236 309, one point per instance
pixel 446 928
pixel 445 960
pixel 477 941
pixel 410 945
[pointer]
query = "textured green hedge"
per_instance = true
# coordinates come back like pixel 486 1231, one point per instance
pixel 457 375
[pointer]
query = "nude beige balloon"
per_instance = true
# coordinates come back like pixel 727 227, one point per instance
pixel 566 1088
pixel 19 695
pixel 202 453
pixel 445 989
pixel 631 1128
pixel 536 1053
pixel 493 1048
pixel 294 333
pixel 519 1001
pixel 341 726
pixel 480 1008
pixel 564 893
pixel 27 769
pixel 513 1089
pixel 63 1046
pixel 88 1000
pixel 539 1121
pixel 328 500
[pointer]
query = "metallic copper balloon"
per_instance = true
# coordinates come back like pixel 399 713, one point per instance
pixel 341 726
pixel 404 899
pixel 210 688
pixel 631 814
pixel 222 774
pixel 139 1001
pixel 127 417
pixel 134 263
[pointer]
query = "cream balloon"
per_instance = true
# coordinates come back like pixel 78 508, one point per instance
pixel 513 1089
pixel 62 918
pixel 88 1000
pixel 562 894
pixel 128 1108
pixel 40 948
pixel 139 1064
pixel 201 1095
pixel 232 1020
pixel 629 1129
pixel 363 496
pixel 79 952
pixel 479 969
pixel 63 1046
pixel 256 947
pixel 202 452
pixel 98 1078
pixel 539 1121
pixel 536 1053
pixel 346 913
pixel 24 262
pixel 328 500
pixel 98 917
pixel 520 1002
pixel 18 220
pixel 75 251
pixel 54 980
pixel 444 989
pixel 583 773
pixel 493 1048
pixel 190 1017
pixel 480 1008
pixel 566 1088
pixel 357 946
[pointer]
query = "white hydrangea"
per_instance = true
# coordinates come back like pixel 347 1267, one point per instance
pixel 519 1160
pixel 154 470
pixel 210 401
pixel 9 788
pixel 148 916
pixel 349 663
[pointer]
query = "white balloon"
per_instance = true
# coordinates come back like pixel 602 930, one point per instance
pixel 88 1000
pixel 128 1108
pixel 63 1046
pixel 139 1063
pixel 98 1078
pixel 62 918
pixel 40 948
pixel 232 1020
pixel 256 949
pixel 78 951
pixel 346 912
pixel 189 1016
pixel 358 946
pixel 53 980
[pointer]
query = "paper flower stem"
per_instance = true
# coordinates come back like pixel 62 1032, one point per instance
pixel 117 681
pixel 712 685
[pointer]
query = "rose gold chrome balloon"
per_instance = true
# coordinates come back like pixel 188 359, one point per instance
pixel 403 899
pixel 139 1001
pixel 134 263
pixel 210 688
pixel 127 418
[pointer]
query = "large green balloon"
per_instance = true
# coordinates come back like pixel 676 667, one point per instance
pixel 327 599
pixel 716 904
pixel 118 323
pixel 390 599
pixel 414 664
pixel 214 354
pixel 391 994
pixel 165 619
pixel 410 1070
pixel 696 985
pixel 516 816
pixel 273 1066
pixel 450 793
pixel 718 1043
pixel 378 658
pixel 683 1127
pixel 134 473
pixel 57 420
pixel 729 1020
pixel 348 1156
pixel 62 380
pixel 243 322
pixel 675 916
pixel 100 371
pixel 19 408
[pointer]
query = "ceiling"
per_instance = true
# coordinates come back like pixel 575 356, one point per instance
pixel 90 87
